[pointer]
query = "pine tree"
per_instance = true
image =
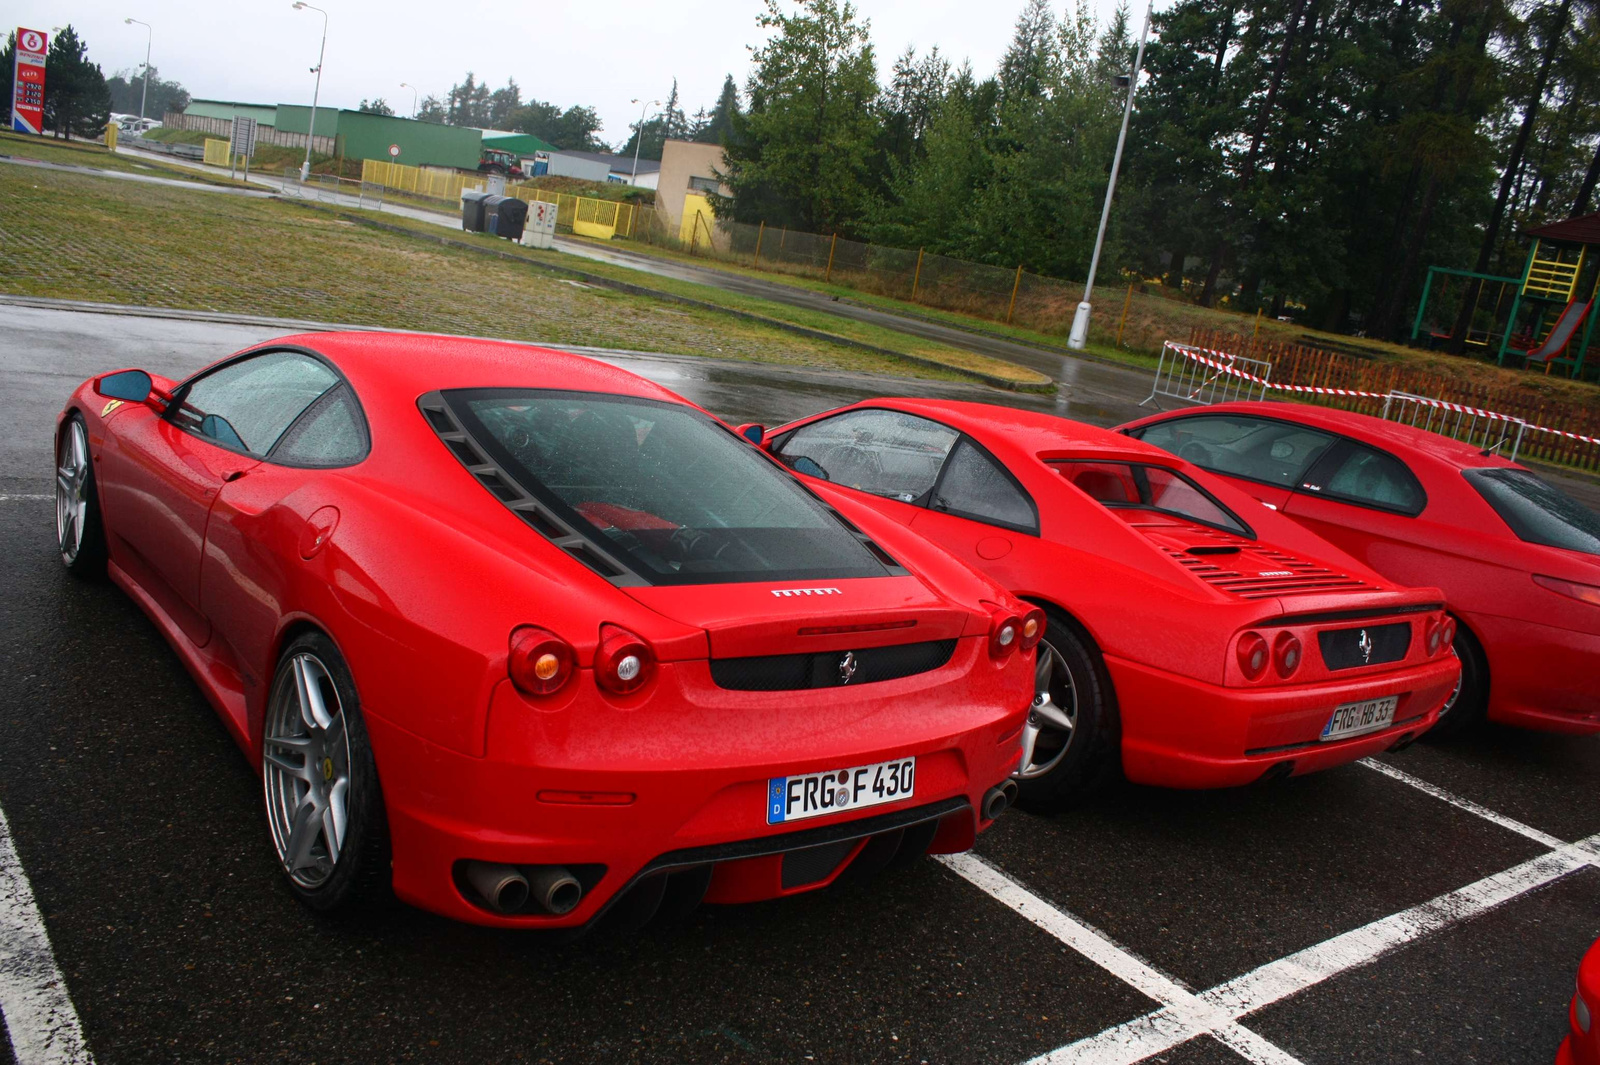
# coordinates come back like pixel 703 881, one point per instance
pixel 713 128
pixel 76 100
pixel 802 156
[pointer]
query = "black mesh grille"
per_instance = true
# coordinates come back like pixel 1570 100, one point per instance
pixel 1370 646
pixel 827 669
pixel 814 863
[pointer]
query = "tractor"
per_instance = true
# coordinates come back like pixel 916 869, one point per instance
pixel 498 161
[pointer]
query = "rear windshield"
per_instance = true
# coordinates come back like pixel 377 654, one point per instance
pixel 663 487
pixel 1133 484
pixel 1538 512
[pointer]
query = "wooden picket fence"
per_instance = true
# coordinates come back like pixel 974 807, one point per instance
pixel 1314 367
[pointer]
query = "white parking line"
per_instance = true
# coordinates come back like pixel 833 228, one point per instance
pixel 1464 804
pixel 34 1003
pixel 1183 1015
pixel 25 495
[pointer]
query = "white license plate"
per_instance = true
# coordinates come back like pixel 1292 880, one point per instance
pixel 839 790
pixel 1353 719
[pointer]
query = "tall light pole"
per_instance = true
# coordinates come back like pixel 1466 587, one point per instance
pixel 1080 321
pixel 145 92
pixel 638 139
pixel 413 89
pixel 311 129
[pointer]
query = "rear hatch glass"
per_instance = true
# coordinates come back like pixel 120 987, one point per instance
pixel 1139 485
pixel 663 488
pixel 1536 510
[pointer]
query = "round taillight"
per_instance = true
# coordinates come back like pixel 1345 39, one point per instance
pixel 623 662
pixel 1033 624
pixel 1447 632
pixel 1286 654
pixel 1005 636
pixel 540 662
pixel 1253 654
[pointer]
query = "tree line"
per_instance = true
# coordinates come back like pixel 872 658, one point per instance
pixel 1311 157
pixel 575 128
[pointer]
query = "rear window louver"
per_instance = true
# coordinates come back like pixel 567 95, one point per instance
pixel 538 517
pixel 1303 578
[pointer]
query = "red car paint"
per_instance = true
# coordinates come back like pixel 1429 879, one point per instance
pixel 1582 1044
pixel 1167 622
pixel 420 574
pixel 1542 647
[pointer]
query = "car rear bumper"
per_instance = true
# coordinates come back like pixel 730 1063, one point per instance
pixel 618 790
pixel 1540 677
pixel 1178 732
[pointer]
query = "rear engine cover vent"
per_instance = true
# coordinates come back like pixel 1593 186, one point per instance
pixel 1287 575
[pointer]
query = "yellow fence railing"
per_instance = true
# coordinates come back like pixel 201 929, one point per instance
pixel 583 215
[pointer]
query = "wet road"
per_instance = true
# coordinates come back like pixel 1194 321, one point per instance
pixel 138 825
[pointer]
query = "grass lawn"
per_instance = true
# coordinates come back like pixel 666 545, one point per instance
pixel 860 332
pixel 97 238
pixel 1152 320
pixel 97 156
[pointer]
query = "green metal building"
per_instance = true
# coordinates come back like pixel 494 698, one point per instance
pixel 364 136
pixel 296 118
pixel 227 110
pixel 517 143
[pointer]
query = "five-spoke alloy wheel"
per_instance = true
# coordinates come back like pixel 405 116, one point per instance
pixel 1072 739
pixel 78 530
pixel 324 809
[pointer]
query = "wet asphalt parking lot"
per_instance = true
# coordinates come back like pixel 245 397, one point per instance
pixel 1431 908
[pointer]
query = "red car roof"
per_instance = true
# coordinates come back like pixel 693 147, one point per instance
pixel 417 363
pixel 1363 427
pixel 1027 432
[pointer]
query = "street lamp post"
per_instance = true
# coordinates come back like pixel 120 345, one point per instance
pixel 638 139
pixel 1080 321
pixel 413 89
pixel 145 92
pixel 311 129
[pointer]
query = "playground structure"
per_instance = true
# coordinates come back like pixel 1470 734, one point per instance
pixel 1551 315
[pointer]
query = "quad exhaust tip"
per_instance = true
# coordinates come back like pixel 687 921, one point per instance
pixel 998 799
pixel 507 890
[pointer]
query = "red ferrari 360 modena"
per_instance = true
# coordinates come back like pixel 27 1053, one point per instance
pixel 1518 560
pixel 1196 638
pixel 547 638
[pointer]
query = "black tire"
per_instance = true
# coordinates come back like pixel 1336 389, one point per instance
pixel 1092 755
pixel 1470 707
pixel 359 874
pixel 80 532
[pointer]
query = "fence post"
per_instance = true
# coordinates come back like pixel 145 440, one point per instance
pixel 916 278
pixel 1014 286
pixel 759 234
pixel 1257 330
pixel 831 246
pixel 694 232
pixel 1124 321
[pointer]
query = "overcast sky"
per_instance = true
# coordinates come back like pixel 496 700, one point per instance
pixel 600 54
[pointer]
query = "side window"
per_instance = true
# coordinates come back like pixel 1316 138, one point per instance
pixel 883 452
pixel 1366 476
pixel 974 486
pixel 330 433
pixel 248 404
pixel 1277 453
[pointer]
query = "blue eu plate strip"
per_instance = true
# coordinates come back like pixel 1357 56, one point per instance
pixel 777 788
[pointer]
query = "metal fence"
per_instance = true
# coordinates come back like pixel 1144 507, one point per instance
pixel 586 216
pixel 999 293
pixel 329 188
pixel 1182 377
pixel 1485 430
pixel 223 128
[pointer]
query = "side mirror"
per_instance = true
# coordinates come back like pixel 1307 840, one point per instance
pixel 754 432
pixel 131 385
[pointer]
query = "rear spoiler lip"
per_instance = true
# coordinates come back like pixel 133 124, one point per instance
pixel 1359 614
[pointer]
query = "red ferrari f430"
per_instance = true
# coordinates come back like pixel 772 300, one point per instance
pixel 1196 638
pixel 533 640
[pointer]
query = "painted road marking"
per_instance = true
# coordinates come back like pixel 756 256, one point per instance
pixel 9 498
pixel 1465 804
pixel 1183 1015
pixel 34 1003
